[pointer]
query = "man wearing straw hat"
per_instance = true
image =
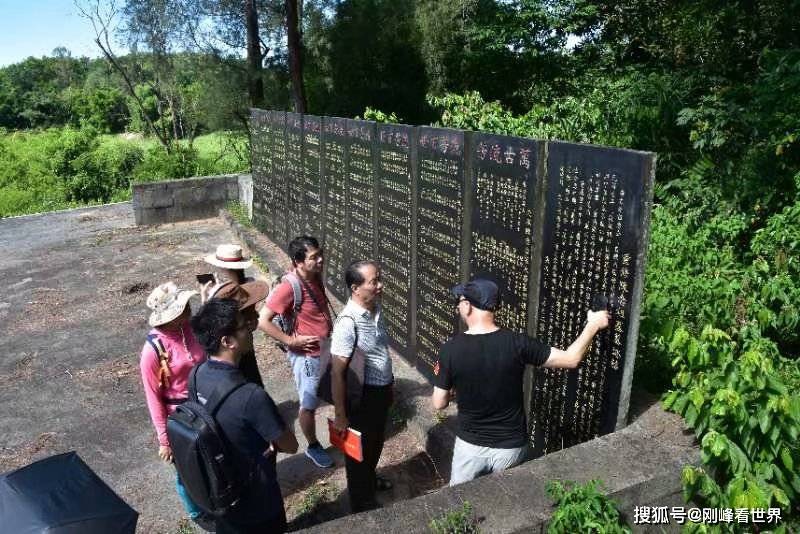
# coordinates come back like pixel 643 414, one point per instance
pixel 230 265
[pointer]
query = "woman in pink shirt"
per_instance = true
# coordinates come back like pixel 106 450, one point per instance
pixel 168 356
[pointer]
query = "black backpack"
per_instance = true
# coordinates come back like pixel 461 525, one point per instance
pixel 209 472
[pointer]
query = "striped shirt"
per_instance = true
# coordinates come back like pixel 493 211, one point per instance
pixel 372 339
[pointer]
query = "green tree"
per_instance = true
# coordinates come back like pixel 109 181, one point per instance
pixel 374 59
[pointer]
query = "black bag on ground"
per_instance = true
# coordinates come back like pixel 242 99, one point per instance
pixel 211 475
pixel 61 495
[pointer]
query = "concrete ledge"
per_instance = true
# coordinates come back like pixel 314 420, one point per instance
pixel 186 199
pixel 639 465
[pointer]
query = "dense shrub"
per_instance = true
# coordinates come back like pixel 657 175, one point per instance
pixel 733 396
pixel 181 162
pixel 583 508
pixel 99 174
pixel 61 168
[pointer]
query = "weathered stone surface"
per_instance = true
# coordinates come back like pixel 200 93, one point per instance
pixel 187 199
pixel 74 322
pixel 639 465
pixel 245 193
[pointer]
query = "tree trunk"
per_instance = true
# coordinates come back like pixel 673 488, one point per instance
pixel 295 56
pixel 255 85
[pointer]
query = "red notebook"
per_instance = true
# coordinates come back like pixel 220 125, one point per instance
pixel 348 442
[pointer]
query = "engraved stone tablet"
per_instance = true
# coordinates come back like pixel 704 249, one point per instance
pixel 504 187
pixel 276 144
pixel 334 141
pixel 594 241
pixel 293 173
pixel 361 189
pixel 440 194
pixel 261 164
pixel 394 223
pixel 311 190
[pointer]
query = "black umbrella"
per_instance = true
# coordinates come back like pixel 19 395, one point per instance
pixel 61 495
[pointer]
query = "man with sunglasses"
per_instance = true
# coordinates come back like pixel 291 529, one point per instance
pixel 247 417
pixel 485 365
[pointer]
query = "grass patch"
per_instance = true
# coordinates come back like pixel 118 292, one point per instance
pixel 314 496
pixel 459 521
pixel 239 213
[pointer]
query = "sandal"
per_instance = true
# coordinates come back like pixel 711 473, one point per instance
pixel 383 484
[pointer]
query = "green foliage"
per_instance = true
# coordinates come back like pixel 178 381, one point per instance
pixel 746 418
pixel 379 116
pixel 157 165
pixel 239 213
pixel 102 108
pixel 313 497
pixel 583 508
pixel 69 167
pixel 374 60
pixel 100 173
pixel 458 521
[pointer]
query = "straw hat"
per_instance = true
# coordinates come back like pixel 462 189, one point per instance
pixel 245 295
pixel 167 303
pixel 228 257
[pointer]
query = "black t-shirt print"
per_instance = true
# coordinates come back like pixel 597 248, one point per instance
pixel 486 371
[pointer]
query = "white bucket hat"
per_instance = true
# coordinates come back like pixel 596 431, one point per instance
pixel 228 257
pixel 167 303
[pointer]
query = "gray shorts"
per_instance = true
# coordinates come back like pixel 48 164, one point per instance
pixel 471 461
pixel 306 378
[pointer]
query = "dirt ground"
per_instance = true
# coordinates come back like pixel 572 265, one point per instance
pixel 73 323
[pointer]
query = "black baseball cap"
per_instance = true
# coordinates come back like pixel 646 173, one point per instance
pixel 480 292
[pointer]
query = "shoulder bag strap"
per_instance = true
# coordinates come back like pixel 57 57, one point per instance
pixel 221 392
pixel 297 295
pixel 316 302
pixel 163 360
pixel 355 329
pixel 193 383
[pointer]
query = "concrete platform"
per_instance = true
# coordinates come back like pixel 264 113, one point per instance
pixel 73 323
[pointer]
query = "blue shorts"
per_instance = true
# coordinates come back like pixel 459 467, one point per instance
pixel 306 378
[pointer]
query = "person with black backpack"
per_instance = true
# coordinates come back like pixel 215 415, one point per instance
pixel 241 426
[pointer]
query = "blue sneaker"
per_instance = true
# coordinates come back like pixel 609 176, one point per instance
pixel 318 455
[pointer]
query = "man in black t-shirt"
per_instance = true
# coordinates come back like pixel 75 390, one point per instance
pixel 248 417
pixel 485 366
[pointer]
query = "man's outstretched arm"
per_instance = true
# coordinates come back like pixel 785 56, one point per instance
pixel 572 357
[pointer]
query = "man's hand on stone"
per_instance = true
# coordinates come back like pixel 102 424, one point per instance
pixel 597 319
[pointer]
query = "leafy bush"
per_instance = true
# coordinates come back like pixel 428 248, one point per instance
pixel 223 152
pixel 71 144
pixel 157 165
pixel 379 116
pixel 99 174
pixel 747 419
pixel 583 509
